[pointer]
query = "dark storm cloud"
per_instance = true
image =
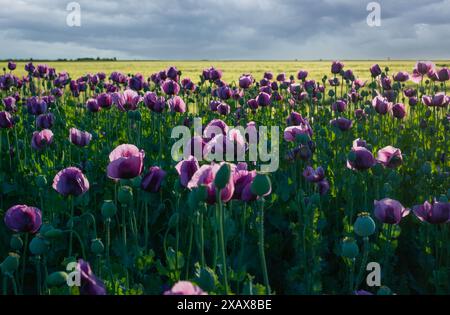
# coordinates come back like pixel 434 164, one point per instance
pixel 225 29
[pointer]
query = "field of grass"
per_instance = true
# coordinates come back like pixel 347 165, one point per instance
pixel 232 69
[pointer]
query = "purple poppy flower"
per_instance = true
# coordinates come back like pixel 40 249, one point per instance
pixel 291 133
pixel 10 103
pixel 126 162
pixel 90 284
pixel 295 119
pixel 224 92
pixel 188 85
pixel 314 176
pixel 263 99
pixel 268 75
pixel 57 92
pixel 439 100
pixel 302 75
pixel 243 180
pixel 71 182
pixel 237 94
pixel 11 65
pixel 245 81
pixel 23 219
pixel 434 213
pixel 348 75
pixel 410 92
pixel 136 82
pixel 79 138
pixel 42 70
pixel 398 111
pixel 185 288
pixel 172 73
pixel 36 106
pixel 339 106
pixel 375 70
pixel 128 100
pixel 413 101
pixel 324 187
pixel 215 127
pixel 443 75
pixel 389 211
pixel 281 77
pixel 118 78
pixel 170 87
pixel 151 182
pixel 360 113
pixel 360 158
pixel 177 105
pixel 336 67
pixel 45 121
pixel 104 100
pixel 380 104
pixel 205 176
pixel 223 109
pixel 92 105
pixel 29 67
pixel 41 139
pixel 342 123
pixel 401 76
pixel 253 104
pixel 6 120
pixel 186 169
pixel 390 157
pixel 423 67
pixel 386 83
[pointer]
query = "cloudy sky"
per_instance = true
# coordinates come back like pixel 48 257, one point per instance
pixel 225 29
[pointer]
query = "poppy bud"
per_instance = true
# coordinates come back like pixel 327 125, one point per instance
pixel 16 242
pixel 222 176
pixel 125 195
pixel 53 234
pixel 364 225
pixel 173 221
pixel 261 185
pixel 97 246
pixel 10 264
pixel 57 279
pixel 349 248
pixel 38 246
pixel 109 209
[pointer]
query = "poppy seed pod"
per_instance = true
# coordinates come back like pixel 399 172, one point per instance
pixel 125 195
pixel 109 209
pixel 364 225
pixel 261 185
pixel 222 176
pixel 10 264
pixel 16 242
pixel 349 248
pixel 97 246
pixel 38 246
pixel 56 279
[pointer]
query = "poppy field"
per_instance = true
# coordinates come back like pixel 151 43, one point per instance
pixel 95 200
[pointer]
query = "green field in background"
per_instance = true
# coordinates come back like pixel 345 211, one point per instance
pixel 232 69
